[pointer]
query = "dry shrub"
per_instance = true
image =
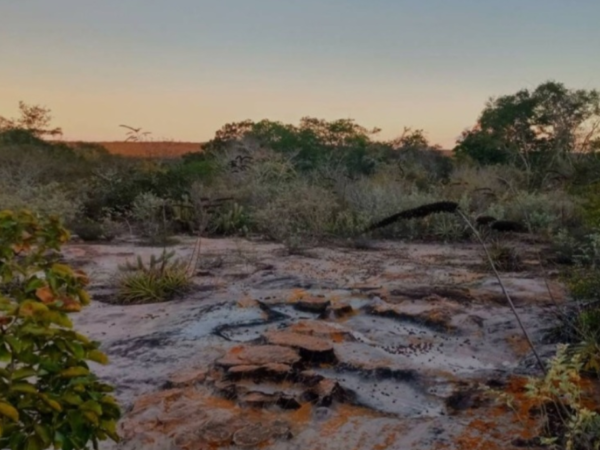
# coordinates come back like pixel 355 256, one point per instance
pixel 298 212
pixel 48 199
pixel 542 212
pixel 375 199
pixel 506 258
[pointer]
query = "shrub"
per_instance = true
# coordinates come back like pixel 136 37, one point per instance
pixel 545 213
pixel 297 211
pixel 584 283
pixel 49 199
pixel 149 213
pixel 49 396
pixel 162 279
pixel 229 220
pixel 373 199
pixel 561 398
pixel 93 230
pixel 505 258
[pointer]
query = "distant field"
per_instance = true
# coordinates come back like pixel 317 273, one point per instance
pixel 151 149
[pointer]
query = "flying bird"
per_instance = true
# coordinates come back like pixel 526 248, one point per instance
pixel 135 130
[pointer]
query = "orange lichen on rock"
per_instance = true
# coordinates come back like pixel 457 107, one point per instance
pixel 343 414
pixel 297 294
pixel 496 426
pixel 519 344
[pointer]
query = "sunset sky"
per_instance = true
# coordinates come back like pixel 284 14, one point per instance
pixel 183 68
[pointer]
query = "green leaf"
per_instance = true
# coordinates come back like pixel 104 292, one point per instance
pixel 34 443
pixel 92 417
pixel 59 318
pixel 92 406
pixel 19 374
pixel 44 433
pixel 15 344
pixel 24 387
pixel 51 403
pixel 62 270
pixel 37 330
pixel 76 348
pixel 76 371
pixel 8 410
pixel 59 440
pixel 98 356
pixel 72 399
pixel 5 355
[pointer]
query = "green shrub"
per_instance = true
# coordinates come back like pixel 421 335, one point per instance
pixel 542 213
pixel 584 283
pixel 230 220
pixel 91 230
pixel 48 395
pixel 162 279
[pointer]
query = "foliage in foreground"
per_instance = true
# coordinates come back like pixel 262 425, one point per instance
pixel 569 422
pixel 48 395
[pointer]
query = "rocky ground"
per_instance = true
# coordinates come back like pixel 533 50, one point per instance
pixel 391 347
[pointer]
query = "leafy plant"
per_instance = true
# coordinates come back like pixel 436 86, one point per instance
pixel 48 394
pixel 159 280
pixel 561 398
pixel 230 219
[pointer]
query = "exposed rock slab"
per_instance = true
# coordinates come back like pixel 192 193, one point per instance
pixel 313 350
pixel 260 355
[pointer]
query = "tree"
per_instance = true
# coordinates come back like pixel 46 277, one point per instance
pixel 417 158
pixel 534 127
pixel 312 143
pixel 33 119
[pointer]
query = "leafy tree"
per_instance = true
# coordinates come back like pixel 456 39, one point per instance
pixel 48 394
pixel 312 143
pixel 34 119
pixel 417 158
pixel 536 127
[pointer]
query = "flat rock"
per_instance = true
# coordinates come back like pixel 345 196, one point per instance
pixel 187 378
pixel 435 318
pixel 320 328
pixel 260 355
pixel 311 348
pixel 259 399
pixel 252 435
pixel 219 434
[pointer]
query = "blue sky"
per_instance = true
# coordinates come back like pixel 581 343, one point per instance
pixel 183 68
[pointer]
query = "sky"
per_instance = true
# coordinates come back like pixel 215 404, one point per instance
pixel 183 68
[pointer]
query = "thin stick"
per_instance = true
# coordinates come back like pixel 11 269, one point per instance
pixel 504 291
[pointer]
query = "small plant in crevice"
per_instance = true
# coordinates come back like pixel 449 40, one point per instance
pixel 159 280
pixel 506 258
